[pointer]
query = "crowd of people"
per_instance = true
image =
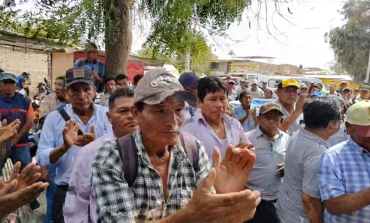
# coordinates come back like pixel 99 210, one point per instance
pixel 170 149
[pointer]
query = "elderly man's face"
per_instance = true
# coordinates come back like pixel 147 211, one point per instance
pixel 161 123
pixel 81 95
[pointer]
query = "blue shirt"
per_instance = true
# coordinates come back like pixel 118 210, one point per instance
pixel 97 66
pixel 240 113
pixel 21 79
pixel 200 129
pixel 345 169
pixel 51 138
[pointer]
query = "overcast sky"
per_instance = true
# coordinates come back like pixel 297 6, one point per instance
pixel 303 42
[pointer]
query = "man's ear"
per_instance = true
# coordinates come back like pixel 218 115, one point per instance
pixel 109 117
pixel 135 114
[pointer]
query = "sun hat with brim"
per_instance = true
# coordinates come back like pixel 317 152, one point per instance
pixel 157 85
pixel 8 76
pixel 359 116
pixel 79 75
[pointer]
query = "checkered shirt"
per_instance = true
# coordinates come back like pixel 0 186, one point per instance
pixel 345 169
pixel 144 201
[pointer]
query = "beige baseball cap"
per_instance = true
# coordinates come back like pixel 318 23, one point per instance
pixel 359 116
pixel 157 85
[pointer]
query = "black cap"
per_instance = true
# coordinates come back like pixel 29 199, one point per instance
pixel 79 75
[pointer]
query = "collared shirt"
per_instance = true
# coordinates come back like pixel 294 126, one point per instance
pixel 257 94
pixel 295 126
pixel 339 137
pixel 190 111
pixel 104 100
pixel 144 201
pixel 52 137
pixel 98 66
pixel 345 169
pixel 233 95
pixel 240 113
pixel 301 165
pixel 49 103
pixel 200 129
pixel 80 205
pixel 269 153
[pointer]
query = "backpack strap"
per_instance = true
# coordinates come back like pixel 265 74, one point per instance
pixel 128 152
pixel 191 149
pixel 66 118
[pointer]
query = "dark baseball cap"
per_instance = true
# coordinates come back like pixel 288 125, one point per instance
pixel 188 79
pixel 157 85
pixel 8 76
pixel 79 75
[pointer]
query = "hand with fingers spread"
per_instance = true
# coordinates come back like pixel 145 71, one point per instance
pixel 8 131
pixel 28 176
pixel 21 189
pixel 86 138
pixel 70 133
pixel 233 172
pixel 230 207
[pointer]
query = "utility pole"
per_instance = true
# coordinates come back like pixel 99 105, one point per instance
pixel 188 56
pixel 368 70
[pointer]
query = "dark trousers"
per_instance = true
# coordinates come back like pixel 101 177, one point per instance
pixel 265 213
pixel 58 203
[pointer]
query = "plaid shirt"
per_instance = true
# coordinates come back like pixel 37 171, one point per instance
pixel 345 169
pixel 144 201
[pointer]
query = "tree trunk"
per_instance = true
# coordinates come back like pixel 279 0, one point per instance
pixel 117 51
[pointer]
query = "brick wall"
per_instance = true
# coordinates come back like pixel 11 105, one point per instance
pixel 18 60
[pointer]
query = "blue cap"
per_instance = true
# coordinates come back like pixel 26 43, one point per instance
pixel 188 79
pixel 8 76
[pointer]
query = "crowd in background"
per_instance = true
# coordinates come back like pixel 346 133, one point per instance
pixel 170 149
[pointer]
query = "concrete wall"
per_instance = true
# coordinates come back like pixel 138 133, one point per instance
pixel 61 62
pixel 17 60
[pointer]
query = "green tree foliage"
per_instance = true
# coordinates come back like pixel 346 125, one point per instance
pixel 351 42
pixel 172 22
pixel 200 51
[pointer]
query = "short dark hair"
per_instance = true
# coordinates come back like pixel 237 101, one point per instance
pixel 244 93
pixel 63 78
pixel 329 111
pixel 137 78
pixel 107 79
pixel 121 77
pixel 120 92
pixel 210 85
pixel 92 45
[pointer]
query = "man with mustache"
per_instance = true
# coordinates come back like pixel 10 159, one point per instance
pixel 168 186
pixel 60 141
pixel 80 205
